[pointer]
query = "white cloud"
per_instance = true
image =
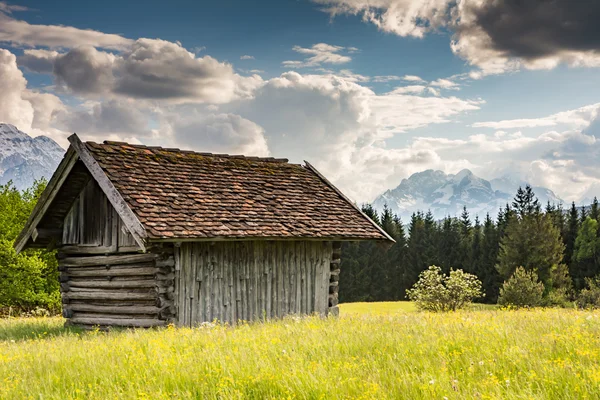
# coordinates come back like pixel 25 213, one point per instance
pixel 117 117
pixel 414 89
pixel 14 108
pixel 21 33
pixel 340 126
pixel 9 8
pixel 412 78
pixel 444 84
pixel 320 53
pixel 247 57
pixel 217 133
pixel 577 118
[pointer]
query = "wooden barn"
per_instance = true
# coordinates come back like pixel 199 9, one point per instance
pixel 148 236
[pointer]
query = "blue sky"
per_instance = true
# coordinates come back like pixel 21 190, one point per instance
pixel 368 91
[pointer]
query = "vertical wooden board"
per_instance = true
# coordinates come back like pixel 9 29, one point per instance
pixel 209 282
pixel 188 285
pixel 325 265
pixel 274 281
pixel 231 266
pixel 215 280
pixel 187 266
pixel 310 266
pixel 316 278
pixel 268 279
pixel 176 298
pixel 300 259
pixel 285 309
pixel 242 293
pixel 291 278
pixel 319 275
pixel 276 264
pixel 194 270
pixel 199 282
pixel 255 281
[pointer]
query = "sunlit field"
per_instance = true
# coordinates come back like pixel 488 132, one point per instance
pixel 372 351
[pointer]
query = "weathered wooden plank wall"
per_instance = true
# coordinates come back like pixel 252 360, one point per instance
pixel 93 222
pixel 251 280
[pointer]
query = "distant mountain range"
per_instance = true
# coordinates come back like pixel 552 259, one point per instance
pixel 24 159
pixel 447 194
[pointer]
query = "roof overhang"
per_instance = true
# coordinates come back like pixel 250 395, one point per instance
pixel 78 151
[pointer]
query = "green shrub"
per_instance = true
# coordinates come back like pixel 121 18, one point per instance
pixel 589 297
pixel 522 289
pixel 435 291
pixel 27 282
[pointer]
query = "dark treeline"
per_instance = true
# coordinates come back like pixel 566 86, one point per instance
pixel 562 246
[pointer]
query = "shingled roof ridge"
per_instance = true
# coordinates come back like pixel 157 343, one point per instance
pixel 176 150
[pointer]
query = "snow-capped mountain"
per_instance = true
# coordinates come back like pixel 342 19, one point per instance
pixel 24 159
pixel 447 194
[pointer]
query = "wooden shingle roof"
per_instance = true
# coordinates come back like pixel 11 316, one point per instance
pixel 179 194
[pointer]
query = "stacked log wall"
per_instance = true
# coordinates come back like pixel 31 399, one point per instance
pixel 128 290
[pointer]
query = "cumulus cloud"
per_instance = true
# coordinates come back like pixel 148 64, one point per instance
pixel 217 133
pixel 111 117
pixel 14 108
pixel 247 57
pixel 496 36
pixel 38 60
pixel 29 110
pixel 21 33
pixel 320 53
pixel 340 126
pixel 149 69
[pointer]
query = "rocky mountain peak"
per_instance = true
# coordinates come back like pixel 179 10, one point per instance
pixel 24 159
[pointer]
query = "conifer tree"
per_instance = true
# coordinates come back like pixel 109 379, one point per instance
pixel 582 215
pixel 449 245
pixel 595 210
pixel 397 259
pixel 586 258
pixel 486 269
pixel 572 228
pixel 532 241
pixel 416 255
pixel 476 250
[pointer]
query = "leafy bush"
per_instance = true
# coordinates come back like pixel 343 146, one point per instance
pixel 26 281
pixel 589 297
pixel 522 289
pixel 435 291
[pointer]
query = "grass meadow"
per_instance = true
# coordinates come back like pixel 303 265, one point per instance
pixel 373 351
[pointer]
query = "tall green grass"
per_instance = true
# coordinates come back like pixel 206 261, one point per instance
pixel 540 354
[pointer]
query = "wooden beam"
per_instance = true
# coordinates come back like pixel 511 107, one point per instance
pixel 128 217
pixel 133 322
pixel 48 195
pixel 103 260
pixel 343 196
